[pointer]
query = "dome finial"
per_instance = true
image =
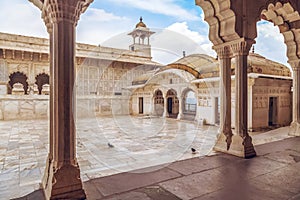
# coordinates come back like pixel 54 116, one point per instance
pixel 141 23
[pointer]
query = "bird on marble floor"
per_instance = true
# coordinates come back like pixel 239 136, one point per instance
pixel 193 150
pixel 110 145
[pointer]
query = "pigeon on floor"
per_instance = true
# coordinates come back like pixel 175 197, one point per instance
pixel 110 145
pixel 193 150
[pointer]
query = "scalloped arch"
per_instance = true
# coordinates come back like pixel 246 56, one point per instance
pixel 221 20
pixel 282 15
pixel 17 77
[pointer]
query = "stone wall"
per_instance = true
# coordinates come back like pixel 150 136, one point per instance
pixel 265 89
pixel 260 90
pixel 24 107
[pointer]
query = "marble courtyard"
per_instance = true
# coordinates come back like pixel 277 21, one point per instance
pixel 73 114
pixel 23 148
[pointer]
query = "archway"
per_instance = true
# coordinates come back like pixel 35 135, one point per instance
pixel 41 79
pixel 158 103
pixel 172 103
pixel 233 31
pixel 17 77
pixel 189 102
pixel 285 15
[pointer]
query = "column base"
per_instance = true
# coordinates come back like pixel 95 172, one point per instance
pixel 165 114
pixel 294 129
pixel 63 183
pixel 239 147
pixel 179 116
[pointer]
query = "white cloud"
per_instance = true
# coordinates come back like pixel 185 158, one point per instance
pixel 182 28
pixel 202 16
pixel 94 14
pixel 201 40
pixel 270 43
pixel 21 17
pixel 167 45
pixel 165 7
pixel 268 30
pixel 96 26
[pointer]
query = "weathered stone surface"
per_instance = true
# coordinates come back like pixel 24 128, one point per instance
pixel 129 181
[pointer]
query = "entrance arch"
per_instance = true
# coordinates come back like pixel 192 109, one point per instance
pixel 17 77
pixel 158 103
pixel 41 79
pixel 189 102
pixel 172 103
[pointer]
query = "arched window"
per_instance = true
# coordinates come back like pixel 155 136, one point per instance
pixel 190 103
pixel 17 77
pixel 41 79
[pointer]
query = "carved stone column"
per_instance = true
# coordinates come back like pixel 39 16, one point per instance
pixel 180 109
pixel 49 162
pixel 295 126
pixel 240 51
pixel 165 113
pixel 62 174
pixel 152 105
pixel 224 56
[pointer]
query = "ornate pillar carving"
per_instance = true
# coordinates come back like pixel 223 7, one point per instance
pixel 224 55
pixel 240 51
pixel 240 143
pixel 295 126
pixel 62 174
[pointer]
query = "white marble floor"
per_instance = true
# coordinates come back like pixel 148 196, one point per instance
pixel 137 143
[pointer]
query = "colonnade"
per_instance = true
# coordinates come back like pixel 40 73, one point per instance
pixel 62 174
pixel 181 101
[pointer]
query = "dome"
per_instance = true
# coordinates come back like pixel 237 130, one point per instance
pixel 204 66
pixel 200 65
pixel 140 24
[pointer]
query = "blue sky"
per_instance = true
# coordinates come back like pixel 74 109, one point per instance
pixel 105 21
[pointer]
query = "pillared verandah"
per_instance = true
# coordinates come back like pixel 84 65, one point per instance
pixel 232 32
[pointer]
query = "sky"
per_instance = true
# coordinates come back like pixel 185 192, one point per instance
pixel 179 26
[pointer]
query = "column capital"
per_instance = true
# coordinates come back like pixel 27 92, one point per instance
pixel 295 64
pixel 54 11
pixel 223 51
pixel 241 46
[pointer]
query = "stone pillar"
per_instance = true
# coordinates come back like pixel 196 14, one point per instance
pixel 49 163
pixel 180 108
pixel 295 126
pixel 239 144
pixel 165 114
pixel 224 56
pixel 240 51
pixel 62 175
pixel 151 105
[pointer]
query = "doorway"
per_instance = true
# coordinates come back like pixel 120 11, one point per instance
pixel 141 105
pixel 272 111
pixel 170 106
